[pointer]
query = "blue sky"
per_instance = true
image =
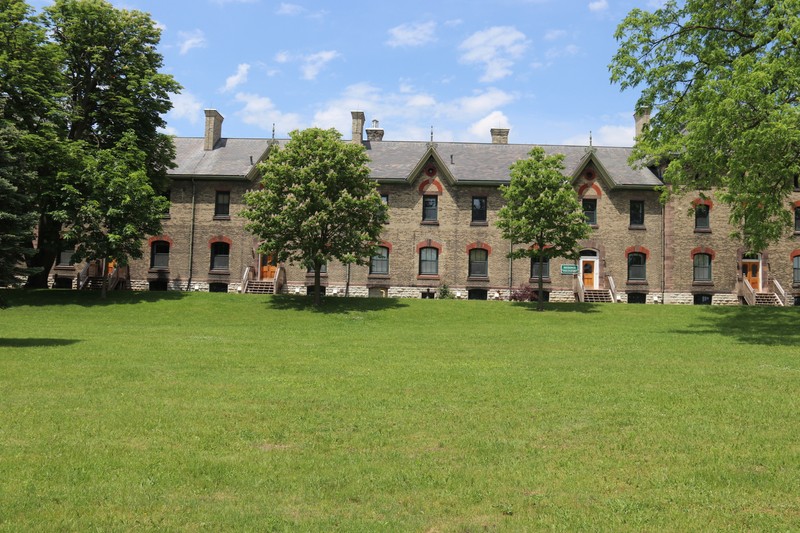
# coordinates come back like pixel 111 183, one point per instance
pixel 538 67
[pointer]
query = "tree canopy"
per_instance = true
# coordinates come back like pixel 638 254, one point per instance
pixel 77 79
pixel 541 212
pixel 723 81
pixel 317 203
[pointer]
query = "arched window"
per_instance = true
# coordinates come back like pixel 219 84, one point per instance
pixel 478 263
pixel 428 262
pixel 702 219
pixel 159 255
pixel 379 264
pixel 637 266
pixel 220 255
pixel 702 267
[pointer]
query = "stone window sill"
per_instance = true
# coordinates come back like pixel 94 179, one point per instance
pixel 219 272
pixel 428 276
pixel 430 222
pixel 478 278
pixel 163 271
pixel 702 283
pixel 636 282
pixel 479 223
pixel 637 227
pixel 702 230
pixel 222 217
pixel 378 276
pixel 536 280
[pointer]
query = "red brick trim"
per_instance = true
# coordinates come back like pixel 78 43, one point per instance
pixel 386 245
pixel 796 204
pixel 155 238
pixel 592 186
pixel 639 250
pixel 423 187
pixel 703 201
pixel 479 244
pixel 219 238
pixel 429 244
pixel 794 254
pixel 703 250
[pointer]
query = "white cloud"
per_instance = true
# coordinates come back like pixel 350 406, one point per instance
pixel 236 79
pixel 495 48
pixel 314 63
pixel 261 112
pixel 191 39
pixel 569 50
pixel 554 35
pixel 412 34
pixel 481 129
pixel 159 26
pixel 470 107
pixel 168 130
pixel 290 9
pixel 283 57
pixel 186 106
pixel 598 5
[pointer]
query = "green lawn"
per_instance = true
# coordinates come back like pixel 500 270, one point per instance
pixel 173 411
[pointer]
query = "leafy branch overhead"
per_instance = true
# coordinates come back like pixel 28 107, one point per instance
pixel 723 80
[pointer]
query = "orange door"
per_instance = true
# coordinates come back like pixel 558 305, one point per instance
pixel 587 268
pixel 752 273
pixel 110 265
pixel 268 267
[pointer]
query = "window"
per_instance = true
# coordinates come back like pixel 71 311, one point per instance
pixel 220 256
pixel 322 269
pixel 159 285
pixel 701 217
pixel 430 208
pixel 478 263
pixel 637 298
pixel 429 262
pixel 797 219
pixel 159 254
pixel 217 287
pixel 385 199
pixel 478 209
pixel 637 266
pixel 65 258
pixel 590 210
pixel 637 213
pixel 477 294
pixel 796 269
pixel 222 205
pixel 427 295
pixel 702 267
pixel 379 264
pixel 702 299
pixel 545 266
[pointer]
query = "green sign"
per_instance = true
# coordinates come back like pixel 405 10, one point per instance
pixel 569 269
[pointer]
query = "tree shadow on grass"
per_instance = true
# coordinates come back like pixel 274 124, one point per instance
pixel 334 305
pixel 87 298
pixel 560 307
pixel 764 326
pixel 35 342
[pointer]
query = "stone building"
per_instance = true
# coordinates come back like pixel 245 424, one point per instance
pixel 443 199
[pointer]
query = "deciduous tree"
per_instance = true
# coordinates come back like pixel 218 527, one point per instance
pixel 723 82
pixel 317 203
pixel 542 212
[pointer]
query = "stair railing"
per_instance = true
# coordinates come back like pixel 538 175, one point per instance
pixel 613 288
pixel 577 286
pixel 245 280
pixel 780 292
pixel 113 279
pixel 277 281
pixel 83 276
pixel 748 293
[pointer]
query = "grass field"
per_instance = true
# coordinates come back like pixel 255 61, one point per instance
pixel 209 412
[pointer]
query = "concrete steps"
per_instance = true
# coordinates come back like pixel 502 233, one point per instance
pixel 597 296
pixel 260 287
pixel 767 299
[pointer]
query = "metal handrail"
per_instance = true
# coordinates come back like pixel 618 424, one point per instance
pixel 613 288
pixel 277 281
pixel 577 286
pixel 83 276
pixel 748 292
pixel 245 280
pixel 780 292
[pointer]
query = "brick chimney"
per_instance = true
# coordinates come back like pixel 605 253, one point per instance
pixel 375 133
pixel 358 126
pixel 500 135
pixel 641 117
pixel 213 129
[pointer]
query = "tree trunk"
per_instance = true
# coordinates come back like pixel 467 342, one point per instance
pixel 540 299
pixel 104 289
pixel 46 253
pixel 317 299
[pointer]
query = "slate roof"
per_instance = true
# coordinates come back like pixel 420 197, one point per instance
pixel 467 163
pixel 482 162
pixel 230 158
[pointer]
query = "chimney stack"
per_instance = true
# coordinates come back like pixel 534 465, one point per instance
pixel 641 118
pixel 213 129
pixel 500 135
pixel 375 133
pixel 358 126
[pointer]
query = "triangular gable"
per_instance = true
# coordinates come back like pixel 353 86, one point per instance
pixel 602 174
pixel 441 167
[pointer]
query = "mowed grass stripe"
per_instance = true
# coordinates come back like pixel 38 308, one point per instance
pixel 227 412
